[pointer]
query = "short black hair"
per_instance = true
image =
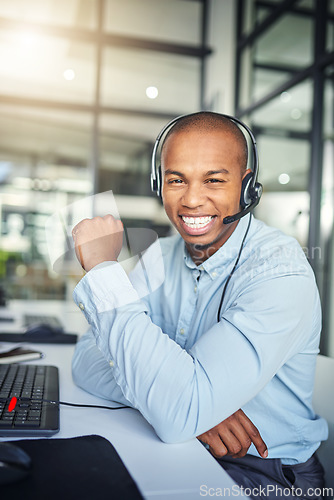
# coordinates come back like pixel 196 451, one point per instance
pixel 206 121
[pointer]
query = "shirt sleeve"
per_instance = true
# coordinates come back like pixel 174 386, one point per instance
pixel 91 371
pixel 183 394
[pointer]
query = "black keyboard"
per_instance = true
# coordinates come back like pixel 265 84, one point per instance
pixel 28 415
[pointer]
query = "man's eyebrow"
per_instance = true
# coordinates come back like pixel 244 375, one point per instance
pixel 221 171
pixel 210 172
pixel 173 172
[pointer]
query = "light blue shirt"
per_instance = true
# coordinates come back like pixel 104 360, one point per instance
pixel 155 342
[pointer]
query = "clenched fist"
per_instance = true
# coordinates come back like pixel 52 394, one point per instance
pixel 97 240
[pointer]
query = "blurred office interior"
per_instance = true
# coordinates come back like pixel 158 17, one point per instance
pixel 86 85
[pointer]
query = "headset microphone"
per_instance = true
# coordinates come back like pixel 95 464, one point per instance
pixel 251 189
pixel 232 218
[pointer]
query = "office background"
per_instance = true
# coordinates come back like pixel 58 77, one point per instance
pixel 86 85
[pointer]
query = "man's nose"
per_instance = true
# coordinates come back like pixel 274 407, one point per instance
pixel 193 196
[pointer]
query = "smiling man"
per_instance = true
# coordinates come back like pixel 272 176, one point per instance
pixel 202 176
pixel 229 340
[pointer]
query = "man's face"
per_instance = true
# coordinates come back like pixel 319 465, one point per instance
pixel 201 184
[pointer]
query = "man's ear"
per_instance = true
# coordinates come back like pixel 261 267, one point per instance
pixel 246 172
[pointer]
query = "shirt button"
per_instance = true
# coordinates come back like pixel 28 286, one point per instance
pixel 214 274
pixel 111 363
pixel 81 306
pixel 182 331
pixel 195 289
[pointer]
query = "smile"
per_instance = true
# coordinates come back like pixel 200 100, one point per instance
pixel 197 222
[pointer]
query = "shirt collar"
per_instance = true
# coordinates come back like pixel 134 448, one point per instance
pixel 216 264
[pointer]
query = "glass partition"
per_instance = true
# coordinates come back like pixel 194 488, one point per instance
pixel 290 111
pixel 44 167
pixel 80 107
pixel 127 74
pixel 285 89
pixel 38 66
pixel 327 210
pixel 173 21
pixel 74 13
pixel 280 46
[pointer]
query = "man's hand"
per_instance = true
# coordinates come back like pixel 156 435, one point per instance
pixel 233 436
pixel 97 240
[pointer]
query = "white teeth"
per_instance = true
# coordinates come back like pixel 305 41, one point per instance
pixel 197 222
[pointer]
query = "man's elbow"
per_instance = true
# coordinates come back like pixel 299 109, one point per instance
pixel 177 422
pixel 172 437
pixel 171 433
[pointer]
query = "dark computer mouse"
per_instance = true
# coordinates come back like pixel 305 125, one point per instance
pixel 15 464
pixel 42 330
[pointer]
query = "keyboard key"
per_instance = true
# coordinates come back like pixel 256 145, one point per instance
pixel 36 406
pixel 7 417
pixel 34 413
pixel 5 423
pixel 26 423
pixel 24 404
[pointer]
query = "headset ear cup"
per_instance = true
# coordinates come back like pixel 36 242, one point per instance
pixel 245 197
pixel 159 180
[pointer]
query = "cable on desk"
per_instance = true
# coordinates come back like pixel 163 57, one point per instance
pixel 80 405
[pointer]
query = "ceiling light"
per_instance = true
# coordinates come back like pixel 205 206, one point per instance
pixel 152 92
pixel 295 113
pixel 69 74
pixel 285 97
pixel 284 178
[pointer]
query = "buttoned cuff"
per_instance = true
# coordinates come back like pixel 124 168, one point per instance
pixel 105 287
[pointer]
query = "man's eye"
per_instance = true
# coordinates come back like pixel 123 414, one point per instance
pixel 213 181
pixel 175 181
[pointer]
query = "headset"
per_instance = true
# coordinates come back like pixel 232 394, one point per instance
pixel 251 189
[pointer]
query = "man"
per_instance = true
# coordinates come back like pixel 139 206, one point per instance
pixel 189 372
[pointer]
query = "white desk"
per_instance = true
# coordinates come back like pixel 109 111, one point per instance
pixel 161 471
